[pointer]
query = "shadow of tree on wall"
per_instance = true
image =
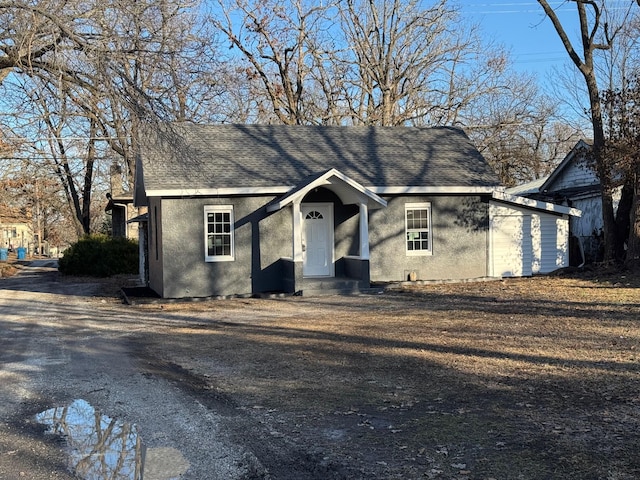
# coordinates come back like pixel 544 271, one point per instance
pixel 472 214
pixel 222 156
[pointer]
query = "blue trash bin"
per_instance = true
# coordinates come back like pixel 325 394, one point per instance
pixel 22 253
pixel 4 254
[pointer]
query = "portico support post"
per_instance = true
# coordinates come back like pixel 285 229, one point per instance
pixel 297 246
pixel 297 232
pixel 364 232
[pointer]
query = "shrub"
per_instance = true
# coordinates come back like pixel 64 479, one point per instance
pixel 100 256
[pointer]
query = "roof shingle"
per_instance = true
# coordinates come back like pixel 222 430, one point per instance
pixel 188 156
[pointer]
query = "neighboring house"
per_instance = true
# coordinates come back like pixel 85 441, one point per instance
pixel 120 207
pixel 127 221
pixel 249 209
pixel 573 183
pixel 15 229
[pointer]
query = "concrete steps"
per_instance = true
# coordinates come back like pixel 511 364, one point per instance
pixel 333 286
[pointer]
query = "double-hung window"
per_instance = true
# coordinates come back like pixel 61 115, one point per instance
pixel 218 233
pixel 418 228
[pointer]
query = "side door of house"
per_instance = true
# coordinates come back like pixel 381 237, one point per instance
pixel 317 240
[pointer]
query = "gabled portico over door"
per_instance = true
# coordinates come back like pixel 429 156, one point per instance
pixel 314 223
pixel 317 240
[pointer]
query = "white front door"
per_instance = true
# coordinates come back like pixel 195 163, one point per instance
pixel 317 239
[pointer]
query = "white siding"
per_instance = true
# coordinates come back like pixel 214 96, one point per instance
pixel 588 227
pixel 554 242
pixel 510 238
pixel 562 242
pixel 536 244
pixel 576 174
pixel 525 242
pixel 591 219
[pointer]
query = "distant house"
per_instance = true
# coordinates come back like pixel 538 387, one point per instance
pixel 249 209
pixel 16 228
pixel 127 221
pixel 573 183
pixel 120 207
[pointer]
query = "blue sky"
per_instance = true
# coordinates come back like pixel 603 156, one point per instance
pixel 525 31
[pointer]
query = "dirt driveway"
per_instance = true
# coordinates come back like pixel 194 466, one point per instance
pixel 522 379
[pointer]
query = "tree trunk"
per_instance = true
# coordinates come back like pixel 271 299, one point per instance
pixel 586 68
pixel 633 246
pixel 609 225
pixel 604 175
pixel 88 180
pixel 623 218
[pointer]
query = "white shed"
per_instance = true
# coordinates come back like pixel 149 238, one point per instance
pixel 575 184
pixel 527 236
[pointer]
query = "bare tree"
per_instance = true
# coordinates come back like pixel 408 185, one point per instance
pixel 596 35
pixel 29 32
pixel 384 62
pixel 521 134
pixel 408 63
pixel 146 60
pixel 37 199
pixel 92 69
pixel 622 127
pixel 281 43
pixel 66 146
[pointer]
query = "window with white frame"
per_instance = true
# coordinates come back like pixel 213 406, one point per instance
pixel 218 233
pixel 418 228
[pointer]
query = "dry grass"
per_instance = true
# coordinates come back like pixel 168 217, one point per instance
pixel 525 378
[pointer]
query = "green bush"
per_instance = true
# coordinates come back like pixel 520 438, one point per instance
pixel 100 256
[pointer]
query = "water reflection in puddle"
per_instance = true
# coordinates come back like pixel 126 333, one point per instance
pixel 103 448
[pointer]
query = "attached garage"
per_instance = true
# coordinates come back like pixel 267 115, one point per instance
pixel 527 237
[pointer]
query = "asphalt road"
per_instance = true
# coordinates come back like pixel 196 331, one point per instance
pixel 76 402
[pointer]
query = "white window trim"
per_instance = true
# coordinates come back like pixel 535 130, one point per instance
pixel 418 206
pixel 219 258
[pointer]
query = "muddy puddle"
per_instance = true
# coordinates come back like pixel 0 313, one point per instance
pixel 104 448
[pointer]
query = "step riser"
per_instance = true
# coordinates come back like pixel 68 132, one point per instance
pixel 333 287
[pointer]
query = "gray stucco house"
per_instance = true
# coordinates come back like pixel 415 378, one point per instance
pixel 249 209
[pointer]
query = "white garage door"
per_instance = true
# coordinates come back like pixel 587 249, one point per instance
pixel 511 245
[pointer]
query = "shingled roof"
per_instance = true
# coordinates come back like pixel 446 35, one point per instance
pixel 189 156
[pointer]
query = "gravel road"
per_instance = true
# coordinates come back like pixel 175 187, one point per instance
pixel 75 402
pixel 521 378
